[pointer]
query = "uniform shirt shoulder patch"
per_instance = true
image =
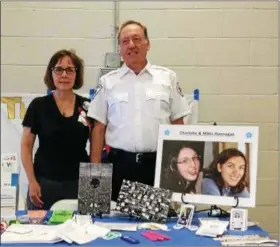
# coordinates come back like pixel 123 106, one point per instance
pixel 179 90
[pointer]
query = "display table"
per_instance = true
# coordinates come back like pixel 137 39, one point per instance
pixel 181 237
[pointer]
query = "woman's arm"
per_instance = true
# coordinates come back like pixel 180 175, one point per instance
pixel 27 144
pixel 97 142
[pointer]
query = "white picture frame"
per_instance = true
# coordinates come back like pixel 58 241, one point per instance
pixel 244 139
pixel 186 215
pixel 238 219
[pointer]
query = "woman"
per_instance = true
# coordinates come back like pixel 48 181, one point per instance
pixel 59 120
pixel 226 175
pixel 183 171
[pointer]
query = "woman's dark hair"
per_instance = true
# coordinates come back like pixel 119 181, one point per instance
pixel 189 186
pixel 76 60
pixel 213 173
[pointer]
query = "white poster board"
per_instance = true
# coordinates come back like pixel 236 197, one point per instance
pixel 232 173
pixel 13 108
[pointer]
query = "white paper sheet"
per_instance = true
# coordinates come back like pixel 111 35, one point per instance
pixel 18 233
pixel 71 231
pixel 118 226
pixel 212 228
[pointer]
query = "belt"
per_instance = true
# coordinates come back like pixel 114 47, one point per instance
pixel 138 157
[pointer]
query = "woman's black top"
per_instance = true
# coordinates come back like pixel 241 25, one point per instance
pixel 62 140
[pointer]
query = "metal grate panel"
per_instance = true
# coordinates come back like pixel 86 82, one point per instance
pixel 104 71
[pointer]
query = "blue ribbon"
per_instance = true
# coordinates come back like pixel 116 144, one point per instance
pixel 196 94
pixel 91 93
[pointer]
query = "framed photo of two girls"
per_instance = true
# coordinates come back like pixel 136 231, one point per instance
pixel 208 164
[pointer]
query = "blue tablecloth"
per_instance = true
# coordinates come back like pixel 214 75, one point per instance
pixel 181 237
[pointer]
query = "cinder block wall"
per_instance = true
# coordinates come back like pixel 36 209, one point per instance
pixel 229 50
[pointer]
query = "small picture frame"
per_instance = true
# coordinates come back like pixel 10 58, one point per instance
pixel 238 219
pixel 186 215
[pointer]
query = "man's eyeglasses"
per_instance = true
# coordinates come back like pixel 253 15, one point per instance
pixel 60 70
pixel 187 160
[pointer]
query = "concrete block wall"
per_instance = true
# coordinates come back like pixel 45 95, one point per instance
pixel 229 50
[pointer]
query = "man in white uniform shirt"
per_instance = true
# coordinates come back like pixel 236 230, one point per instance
pixel 133 101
